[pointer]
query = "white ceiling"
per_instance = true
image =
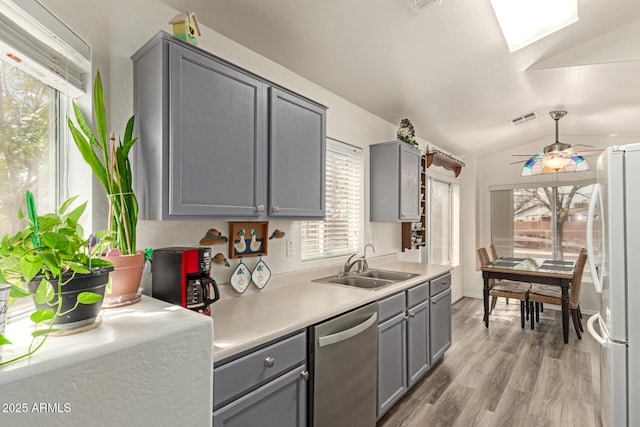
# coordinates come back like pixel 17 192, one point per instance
pixel 447 67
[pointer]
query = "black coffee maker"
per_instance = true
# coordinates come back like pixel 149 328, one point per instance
pixel 180 276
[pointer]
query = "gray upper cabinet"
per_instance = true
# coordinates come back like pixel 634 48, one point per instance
pixel 211 148
pixel 217 138
pixel 395 182
pixel 296 156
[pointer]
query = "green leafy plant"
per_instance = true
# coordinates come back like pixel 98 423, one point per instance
pixel 109 162
pixel 407 133
pixel 50 249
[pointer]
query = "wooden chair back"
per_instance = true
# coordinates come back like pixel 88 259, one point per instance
pixel 493 255
pixel 483 256
pixel 576 282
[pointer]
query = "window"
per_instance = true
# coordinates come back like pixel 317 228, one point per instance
pixel 41 61
pixel 341 231
pixel 442 217
pixel 542 222
pixel 28 154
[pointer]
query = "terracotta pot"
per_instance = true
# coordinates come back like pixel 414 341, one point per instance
pixel 125 278
pixel 84 314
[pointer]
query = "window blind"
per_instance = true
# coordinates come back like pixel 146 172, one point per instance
pixel 341 231
pixel 36 41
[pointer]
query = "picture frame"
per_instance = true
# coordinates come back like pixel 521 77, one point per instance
pixel 248 239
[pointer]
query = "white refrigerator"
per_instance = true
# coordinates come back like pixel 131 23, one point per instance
pixel 613 246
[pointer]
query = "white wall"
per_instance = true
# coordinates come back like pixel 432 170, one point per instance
pixel 118 28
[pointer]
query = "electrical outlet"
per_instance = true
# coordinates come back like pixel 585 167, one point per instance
pixel 289 248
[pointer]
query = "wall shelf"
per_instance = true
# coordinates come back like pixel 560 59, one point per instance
pixel 439 158
pixel 409 233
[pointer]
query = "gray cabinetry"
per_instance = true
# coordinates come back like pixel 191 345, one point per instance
pixel 414 331
pixel 418 342
pixel 440 314
pixel 266 387
pixel 211 148
pixel 395 182
pixel 392 362
pixel 296 156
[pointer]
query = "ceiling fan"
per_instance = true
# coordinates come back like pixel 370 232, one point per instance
pixel 557 157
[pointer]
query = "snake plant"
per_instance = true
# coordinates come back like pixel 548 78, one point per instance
pixel 109 162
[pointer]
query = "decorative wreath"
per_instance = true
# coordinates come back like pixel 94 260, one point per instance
pixel 407 133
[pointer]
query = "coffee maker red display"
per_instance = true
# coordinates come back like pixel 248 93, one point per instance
pixel 181 276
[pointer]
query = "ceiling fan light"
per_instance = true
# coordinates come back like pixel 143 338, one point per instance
pixel 555 162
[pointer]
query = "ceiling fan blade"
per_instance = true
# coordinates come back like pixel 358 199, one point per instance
pixel 588 153
pixel 517 162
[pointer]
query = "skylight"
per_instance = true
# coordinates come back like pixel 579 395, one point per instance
pixel 526 21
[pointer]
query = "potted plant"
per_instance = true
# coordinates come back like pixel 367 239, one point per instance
pixel 51 260
pixel 109 161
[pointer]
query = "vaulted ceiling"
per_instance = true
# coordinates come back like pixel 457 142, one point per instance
pixel 447 67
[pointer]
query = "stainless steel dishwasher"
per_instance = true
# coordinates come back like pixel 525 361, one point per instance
pixel 343 354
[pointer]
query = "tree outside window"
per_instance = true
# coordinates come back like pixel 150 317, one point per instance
pixel 27 144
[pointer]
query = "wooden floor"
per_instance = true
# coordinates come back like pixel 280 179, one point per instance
pixel 506 376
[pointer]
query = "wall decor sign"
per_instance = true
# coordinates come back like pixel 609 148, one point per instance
pixel 248 239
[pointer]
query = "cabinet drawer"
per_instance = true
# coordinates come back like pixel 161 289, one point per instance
pixel 391 306
pixel 417 294
pixel 248 372
pixel 440 284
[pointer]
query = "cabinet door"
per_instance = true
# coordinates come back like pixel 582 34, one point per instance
pixel 217 146
pixel 280 403
pixel 418 342
pixel 440 324
pixel 296 157
pixel 392 362
pixel 409 183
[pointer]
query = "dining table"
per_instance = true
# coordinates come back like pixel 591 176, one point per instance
pixel 531 270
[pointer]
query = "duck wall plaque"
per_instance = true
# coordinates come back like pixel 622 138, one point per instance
pixel 248 239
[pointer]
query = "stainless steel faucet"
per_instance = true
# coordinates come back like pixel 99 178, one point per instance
pixel 348 265
pixel 365 265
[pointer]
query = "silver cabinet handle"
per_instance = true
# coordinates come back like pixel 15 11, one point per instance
pixel 269 362
pixel 304 375
pixel 276 208
pixel 412 315
pixel 405 317
pixel 260 208
pixel 434 302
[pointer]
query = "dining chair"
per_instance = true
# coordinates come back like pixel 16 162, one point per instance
pixel 491 250
pixel 506 288
pixel 493 255
pixel 549 294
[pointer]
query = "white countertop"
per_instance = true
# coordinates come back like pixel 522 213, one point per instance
pixel 246 321
pixel 146 321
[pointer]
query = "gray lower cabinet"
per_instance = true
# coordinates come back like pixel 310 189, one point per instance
pixel 418 355
pixel 395 182
pixel 414 331
pixel 296 156
pixel 440 331
pixel 266 387
pixel 219 142
pixel 280 403
pixel 392 362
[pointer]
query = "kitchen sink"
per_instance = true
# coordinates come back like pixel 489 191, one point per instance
pixel 371 279
pixel 395 276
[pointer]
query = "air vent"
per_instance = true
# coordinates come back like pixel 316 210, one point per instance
pixel 523 119
pixel 419 4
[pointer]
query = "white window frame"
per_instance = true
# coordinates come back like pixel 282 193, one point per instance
pixel 317 236
pixel 454 221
